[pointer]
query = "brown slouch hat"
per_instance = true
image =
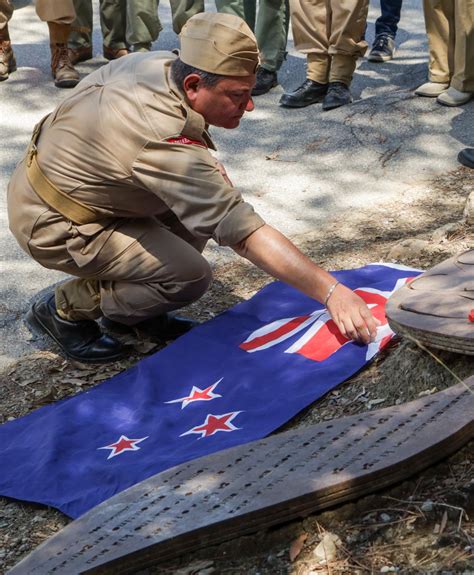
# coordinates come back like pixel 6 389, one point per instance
pixel 220 44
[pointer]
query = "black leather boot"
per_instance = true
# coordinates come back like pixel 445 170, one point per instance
pixel 309 92
pixel 466 157
pixel 159 328
pixel 338 95
pixel 266 80
pixel 80 340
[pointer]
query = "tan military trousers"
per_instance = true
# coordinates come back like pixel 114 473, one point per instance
pixel 47 10
pixel 450 29
pixel 158 271
pixel 331 33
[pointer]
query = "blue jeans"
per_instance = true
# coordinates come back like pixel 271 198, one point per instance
pixel 388 21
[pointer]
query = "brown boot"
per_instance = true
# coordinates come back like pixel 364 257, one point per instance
pixel 64 73
pixel 7 57
pixel 115 53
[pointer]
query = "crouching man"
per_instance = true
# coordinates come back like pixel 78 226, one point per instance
pixel 119 189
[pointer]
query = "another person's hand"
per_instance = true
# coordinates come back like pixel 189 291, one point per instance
pixel 351 315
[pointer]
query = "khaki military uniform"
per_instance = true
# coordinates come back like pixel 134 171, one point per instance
pixel 126 144
pixel 450 29
pixel 331 33
pixel 48 11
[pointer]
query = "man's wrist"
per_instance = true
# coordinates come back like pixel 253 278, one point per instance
pixel 330 292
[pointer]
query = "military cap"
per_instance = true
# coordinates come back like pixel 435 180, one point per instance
pixel 220 44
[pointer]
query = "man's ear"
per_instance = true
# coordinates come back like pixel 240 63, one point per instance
pixel 191 85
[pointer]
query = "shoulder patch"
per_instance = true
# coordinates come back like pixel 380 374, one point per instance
pixel 185 140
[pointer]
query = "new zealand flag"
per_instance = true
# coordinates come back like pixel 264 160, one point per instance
pixel 229 381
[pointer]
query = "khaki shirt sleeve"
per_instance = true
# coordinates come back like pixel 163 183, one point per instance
pixel 186 179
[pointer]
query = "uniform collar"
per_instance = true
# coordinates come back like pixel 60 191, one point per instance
pixel 195 127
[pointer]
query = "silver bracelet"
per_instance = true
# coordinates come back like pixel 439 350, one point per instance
pixel 331 289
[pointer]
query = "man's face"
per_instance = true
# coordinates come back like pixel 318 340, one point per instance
pixel 223 104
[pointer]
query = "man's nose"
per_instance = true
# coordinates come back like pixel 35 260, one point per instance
pixel 250 106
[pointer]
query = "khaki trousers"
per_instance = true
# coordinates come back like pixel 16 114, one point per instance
pixel 47 10
pixel 158 271
pixel 331 33
pixel 450 29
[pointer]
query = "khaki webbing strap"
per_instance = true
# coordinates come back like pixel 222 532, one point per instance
pixel 55 198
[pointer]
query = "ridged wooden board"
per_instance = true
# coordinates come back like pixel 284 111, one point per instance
pixel 435 307
pixel 257 485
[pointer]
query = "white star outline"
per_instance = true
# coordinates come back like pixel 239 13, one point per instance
pixel 113 446
pixel 232 427
pixel 189 398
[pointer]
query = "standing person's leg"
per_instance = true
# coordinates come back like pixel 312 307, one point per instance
pixel 386 26
pixel 439 22
pixel 113 22
pixel 7 57
pixel 182 10
pixel 143 24
pixel 231 7
pixel 272 32
pixel 461 88
pixel 346 45
pixel 59 16
pixel 80 40
pixel 310 32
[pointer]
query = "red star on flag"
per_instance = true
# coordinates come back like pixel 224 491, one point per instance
pixel 123 444
pixel 198 394
pixel 215 423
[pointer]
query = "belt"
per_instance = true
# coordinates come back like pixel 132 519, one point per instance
pixel 55 198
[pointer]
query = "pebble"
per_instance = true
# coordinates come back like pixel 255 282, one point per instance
pixel 427 506
pixel 468 213
pixel 385 517
pixel 326 550
pixel 387 569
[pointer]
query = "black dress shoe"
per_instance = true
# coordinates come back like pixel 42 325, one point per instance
pixel 338 95
pixel 266 80
pixel 160 328
pixel 308 93
pixel 80 340
pixel 466 157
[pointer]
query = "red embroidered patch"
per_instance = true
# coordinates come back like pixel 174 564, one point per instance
pixel 184 140
pixel 470 317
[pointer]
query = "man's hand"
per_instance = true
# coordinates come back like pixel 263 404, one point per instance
pixel 272 252
pixel 351 315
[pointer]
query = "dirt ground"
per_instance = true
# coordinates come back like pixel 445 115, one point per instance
pixel 424 525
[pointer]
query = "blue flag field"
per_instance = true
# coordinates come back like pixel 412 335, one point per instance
pixel 229 381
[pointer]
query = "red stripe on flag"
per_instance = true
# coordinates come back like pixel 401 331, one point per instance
pixel 275 334
pixel 324 343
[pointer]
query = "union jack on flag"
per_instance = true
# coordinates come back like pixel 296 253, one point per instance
pixel 229 381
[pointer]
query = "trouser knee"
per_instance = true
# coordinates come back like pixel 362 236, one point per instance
pixel 193 285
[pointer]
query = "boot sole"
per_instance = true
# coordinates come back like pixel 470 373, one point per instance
pixel 379 58
pixel 261 92
pixel 465 161
pixel 37 326
pixel 66 83
pixel 303 105
pixel 4 77
pixel 327 108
